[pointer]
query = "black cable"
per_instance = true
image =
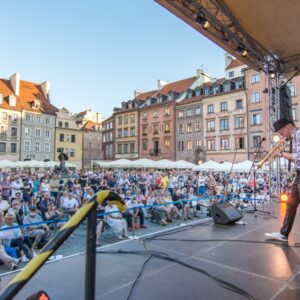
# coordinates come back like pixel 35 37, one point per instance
pixel 138 277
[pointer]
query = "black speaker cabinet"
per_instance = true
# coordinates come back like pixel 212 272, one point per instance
pixel 225 213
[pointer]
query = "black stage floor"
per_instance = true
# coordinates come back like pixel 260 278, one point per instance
pixel 265 271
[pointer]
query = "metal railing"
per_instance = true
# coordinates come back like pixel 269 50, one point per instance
pixel 89 211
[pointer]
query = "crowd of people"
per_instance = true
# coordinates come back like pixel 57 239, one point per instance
pixel 36 204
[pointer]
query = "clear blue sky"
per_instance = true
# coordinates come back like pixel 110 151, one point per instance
pixel 96 53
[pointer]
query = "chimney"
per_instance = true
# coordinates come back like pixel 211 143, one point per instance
pixel 161 84
pixel 228 60
pixel 202 76
pixel 137 93
pixel 46 89
pixel 15 83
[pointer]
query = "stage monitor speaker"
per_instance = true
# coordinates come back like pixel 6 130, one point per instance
pixel 225 213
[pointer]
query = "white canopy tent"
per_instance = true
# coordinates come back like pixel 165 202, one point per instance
pixel 182 164
pixel 243 166
pixel 144 163
pixel 207 166
pixel 7 164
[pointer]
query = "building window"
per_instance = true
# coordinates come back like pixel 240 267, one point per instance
pixel 144 130
pixel 189 145
pixel 27 146
pixel 292 89
pixel 66 124
pixel 132 118
pixel 294 113
pixel 239 104
pixel 47 147
pixel 145 145
pixel 198 143
pixel 125 148
pixel 197 127
pixel 197 92
pixel 126 119
pixel 2 147
pixel 38 119
pixel 119 148
pixel 239 122
pixel 37 132
pixel 47 134
pixel 4 116
pixel 145 115
pixel 14 131
pixel 132 148
pixel 255 97
pixel 211 145
pixel 227 87
pixel 231 74
pixel 190 93
pixel 155 114
pixel 13 148
pixel 125 132
pixel 180 128
pixel 155 129
pixel 224 124
pixel 211 125
pixel 47 120
pixel 189 112
pixel 90 145
pixel 72 152
pixel 37 146
pixel 167 143
pixel 238 84
pixel 14 117
pixel 61 137
pixel 256 140
pixel 198 111
pixel 206 91
pixel 223 106
pixel 2 130
pixel 59 123
pixel 120 120
pixel 73 138
pixel 27 117
pixel 256 119
pixel 210 108
pixel 225 144
pixel 167 111
pixel 167 127
pixel 189 127
pixel 180 146
pixel 119 132
pixel 240 143
pixel 132 131
pixel 181 114
pixel 255 78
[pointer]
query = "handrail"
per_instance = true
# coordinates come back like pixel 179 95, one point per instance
pixel 36 263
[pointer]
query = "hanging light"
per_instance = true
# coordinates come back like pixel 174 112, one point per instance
pixel 284 197
pixel 200 19
pixel 242 50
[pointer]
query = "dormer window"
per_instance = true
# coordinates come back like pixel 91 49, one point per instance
pixel 197 92
pixel 227 87
pixel 216 89
pixel 206 91
pixel 148 101
pixel 1 99
pixel 12 101
pixel 160 98
pixel 36 104
pixel 190 93
pixel 130 104
pixel 239 84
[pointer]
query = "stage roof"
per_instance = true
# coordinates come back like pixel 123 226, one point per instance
pixel 265 31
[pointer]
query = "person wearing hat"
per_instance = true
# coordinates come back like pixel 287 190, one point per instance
pixel 287 129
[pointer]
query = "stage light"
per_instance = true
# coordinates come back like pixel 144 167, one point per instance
pixel 284 197
pixel 242 50
pixel 202 21
pixel 272 75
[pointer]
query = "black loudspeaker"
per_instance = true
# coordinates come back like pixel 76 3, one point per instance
pixel 285 104
pixel 225 213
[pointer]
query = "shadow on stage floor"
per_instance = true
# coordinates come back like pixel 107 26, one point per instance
pixel 263 270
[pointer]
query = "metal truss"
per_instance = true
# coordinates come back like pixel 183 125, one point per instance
pixel 223 27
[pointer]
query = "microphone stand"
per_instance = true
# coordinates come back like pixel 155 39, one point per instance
pixel 255 210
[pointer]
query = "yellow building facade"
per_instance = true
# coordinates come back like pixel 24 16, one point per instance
pixel 68 137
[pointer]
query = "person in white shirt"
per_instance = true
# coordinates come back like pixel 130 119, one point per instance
pixel 16 186
pixel 4 206
pixel 115 220
pixel 133 211
pixel 70 204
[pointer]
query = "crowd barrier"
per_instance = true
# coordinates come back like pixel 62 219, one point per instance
pixel 198 199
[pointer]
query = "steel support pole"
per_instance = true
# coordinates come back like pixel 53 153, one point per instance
pixel 90 261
